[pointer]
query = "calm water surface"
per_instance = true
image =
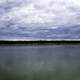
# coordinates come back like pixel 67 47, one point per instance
pixel 57 62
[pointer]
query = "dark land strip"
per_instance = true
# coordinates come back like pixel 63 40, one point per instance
pixel 41 42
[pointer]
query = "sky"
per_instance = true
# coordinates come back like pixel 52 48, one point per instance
pixel 45 19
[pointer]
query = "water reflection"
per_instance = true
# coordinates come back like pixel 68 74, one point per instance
pixel 40 62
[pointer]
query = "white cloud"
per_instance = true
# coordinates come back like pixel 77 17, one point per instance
pixel 39 13
pixel 55 12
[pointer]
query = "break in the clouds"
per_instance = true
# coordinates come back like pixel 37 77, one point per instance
pixel 40 18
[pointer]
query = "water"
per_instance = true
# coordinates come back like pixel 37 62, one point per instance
pixel 57 62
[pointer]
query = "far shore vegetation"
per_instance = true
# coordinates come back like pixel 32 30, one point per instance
pixel 39 42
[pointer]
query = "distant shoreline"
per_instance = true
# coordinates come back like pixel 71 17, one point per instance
pixel 40 42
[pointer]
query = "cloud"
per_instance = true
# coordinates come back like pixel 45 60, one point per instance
pixel 30 16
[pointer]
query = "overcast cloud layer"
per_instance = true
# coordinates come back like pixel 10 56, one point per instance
pixel 40 18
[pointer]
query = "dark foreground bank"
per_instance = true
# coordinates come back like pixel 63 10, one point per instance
pixel 40 42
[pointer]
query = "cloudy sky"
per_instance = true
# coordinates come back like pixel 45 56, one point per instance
pixel 40 19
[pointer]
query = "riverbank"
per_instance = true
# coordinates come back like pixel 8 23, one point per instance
pixel 40 42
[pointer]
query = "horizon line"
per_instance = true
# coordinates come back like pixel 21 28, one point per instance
pixel 26 39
